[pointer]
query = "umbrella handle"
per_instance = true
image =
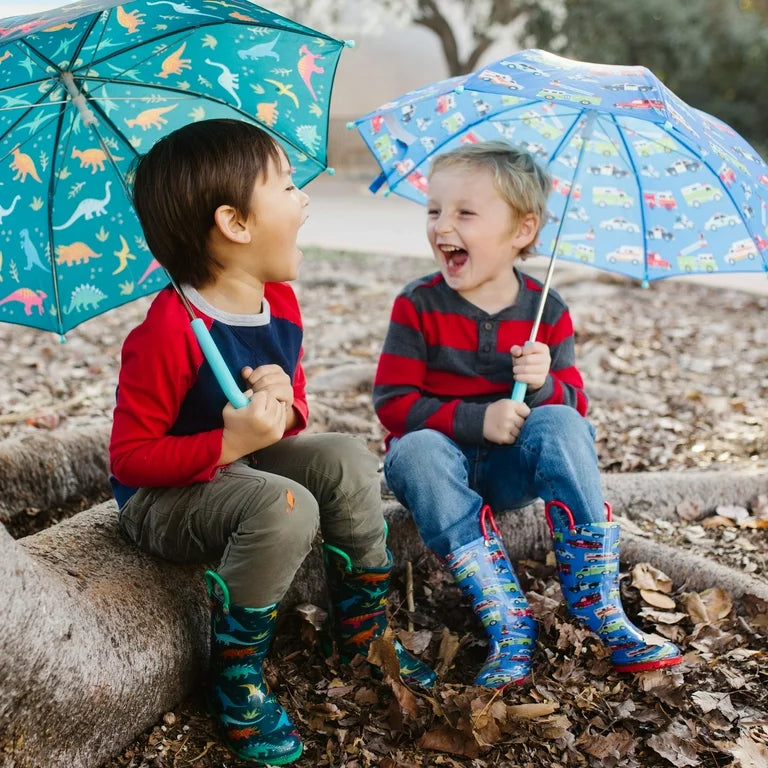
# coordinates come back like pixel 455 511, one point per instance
pixel 218 366
pixel 520 387
pixel 518 391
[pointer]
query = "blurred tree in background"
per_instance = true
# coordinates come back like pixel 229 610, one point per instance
pixel 712 53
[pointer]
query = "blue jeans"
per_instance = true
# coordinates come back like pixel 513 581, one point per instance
pixel 445 485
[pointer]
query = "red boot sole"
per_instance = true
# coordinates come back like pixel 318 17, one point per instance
pixel 648 665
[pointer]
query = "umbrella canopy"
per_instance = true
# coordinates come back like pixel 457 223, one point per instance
pixel 643 184
pixel 86 88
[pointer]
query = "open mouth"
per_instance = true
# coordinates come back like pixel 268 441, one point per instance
pixel 455 257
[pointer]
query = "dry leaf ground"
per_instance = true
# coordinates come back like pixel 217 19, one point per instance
pixel 678 376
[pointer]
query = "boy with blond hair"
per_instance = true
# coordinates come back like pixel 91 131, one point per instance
pixel 459 446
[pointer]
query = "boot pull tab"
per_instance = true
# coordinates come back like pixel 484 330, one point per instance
pixel 608 512
pixel 565 509
pixel 213 580
pixel 346 560
pixel 485 512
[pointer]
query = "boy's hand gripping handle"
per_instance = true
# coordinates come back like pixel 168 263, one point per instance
pixel 520 387
pixel 219 368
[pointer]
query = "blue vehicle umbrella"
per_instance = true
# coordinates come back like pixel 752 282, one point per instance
pixel 88 87
pixel 643 184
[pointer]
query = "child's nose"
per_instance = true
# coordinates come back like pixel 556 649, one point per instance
pixel 305 198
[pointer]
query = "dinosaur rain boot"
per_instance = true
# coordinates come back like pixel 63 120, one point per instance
pixel 588 565
pixel 484 573
pixel 253 723
pixel 358 612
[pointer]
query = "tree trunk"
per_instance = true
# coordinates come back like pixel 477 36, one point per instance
pixel 46 470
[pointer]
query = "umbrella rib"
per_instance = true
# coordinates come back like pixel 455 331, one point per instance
pixel 467 126
pixel 26 112
pixel 636 177
pixel 51 193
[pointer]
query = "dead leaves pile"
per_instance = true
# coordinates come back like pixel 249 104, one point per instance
pixel 712 710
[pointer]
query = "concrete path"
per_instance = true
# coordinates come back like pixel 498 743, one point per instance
pixel 344 215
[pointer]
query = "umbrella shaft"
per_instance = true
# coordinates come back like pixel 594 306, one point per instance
pixel 78 99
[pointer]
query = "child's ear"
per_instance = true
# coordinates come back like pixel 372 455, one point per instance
pixel 527 228
pixel 231 224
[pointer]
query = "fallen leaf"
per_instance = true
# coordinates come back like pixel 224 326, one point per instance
pixel 645 576
pixel 531 711
pixel 449 740
pixel 657 599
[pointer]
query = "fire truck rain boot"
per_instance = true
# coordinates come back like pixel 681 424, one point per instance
pixel 588 566
pixel 484 573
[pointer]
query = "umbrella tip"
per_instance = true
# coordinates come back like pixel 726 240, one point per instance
pixel 385 193
pixel 349 43
pixel 62 340
pixel 459 89
pixel 644 284
pixel 350 126
pixel 330 171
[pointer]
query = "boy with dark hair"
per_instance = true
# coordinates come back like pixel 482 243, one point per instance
pixel 196 479
pixel 458 445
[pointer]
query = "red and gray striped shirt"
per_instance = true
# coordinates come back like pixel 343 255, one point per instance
pixel 445 360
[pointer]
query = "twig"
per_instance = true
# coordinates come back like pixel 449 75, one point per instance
pixel 409 593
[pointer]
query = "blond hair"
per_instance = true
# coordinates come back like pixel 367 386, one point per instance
pixel 520 181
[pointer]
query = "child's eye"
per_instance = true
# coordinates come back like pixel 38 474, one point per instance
pixel 290 188
pixel 432 212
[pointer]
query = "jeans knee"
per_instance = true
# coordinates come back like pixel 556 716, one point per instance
pixel 559 423
pixel 424 455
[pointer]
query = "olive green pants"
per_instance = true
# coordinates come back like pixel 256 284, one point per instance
pixel 259 521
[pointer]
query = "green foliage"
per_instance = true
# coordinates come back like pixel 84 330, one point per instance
pixel 712 53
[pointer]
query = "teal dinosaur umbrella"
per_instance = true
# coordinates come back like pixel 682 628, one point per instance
pixel 86 88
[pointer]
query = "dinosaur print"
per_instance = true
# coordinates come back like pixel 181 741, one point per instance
pixel 261 49
pixel 150 117
pixel 153 265
pixel 8 211
pixel 85 297
pixel 124 255
pixel 24 166
pixel 228 80
pixel 174 64
pixel 130 21
pixel 182 8
pixel 59 27
pixel 283 89
pixel 307 68
pixel 266 111
pixel 75 253
pixel 33 257
pixel 28 298
pixel 92 158
pixel 89 208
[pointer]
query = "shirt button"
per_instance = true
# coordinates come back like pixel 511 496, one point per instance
pixel 486 347
pixel 488 326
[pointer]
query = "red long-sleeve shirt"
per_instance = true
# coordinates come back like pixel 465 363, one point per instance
pixel 445 360
pixel 167 428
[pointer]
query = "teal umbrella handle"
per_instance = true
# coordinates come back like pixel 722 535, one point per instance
pixel 520 387
pixel 518 391
pixel 218 366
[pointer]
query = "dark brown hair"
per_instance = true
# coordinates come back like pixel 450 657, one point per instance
pixel 185 177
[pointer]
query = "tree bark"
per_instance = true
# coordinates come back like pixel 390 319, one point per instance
pixel 46 470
